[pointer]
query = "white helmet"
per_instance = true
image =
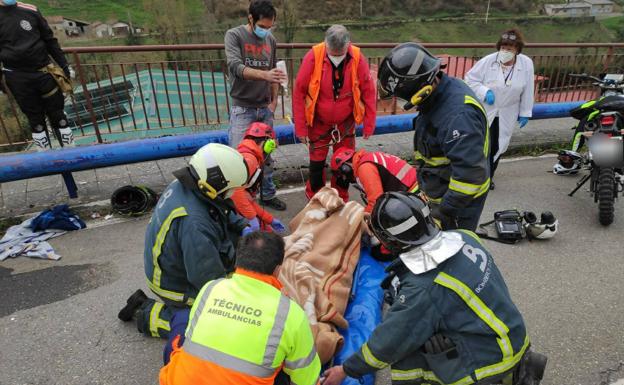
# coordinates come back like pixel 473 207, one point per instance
pixel 546 228
pixel 218 169
pixel 569 163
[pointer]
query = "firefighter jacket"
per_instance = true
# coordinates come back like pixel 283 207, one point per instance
pixel 378 172
pixel 189 241
pixel 243 330
pixel 465 299
pixel 451 143
pixel 26 40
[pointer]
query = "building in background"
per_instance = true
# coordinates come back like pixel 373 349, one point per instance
pixel 70 27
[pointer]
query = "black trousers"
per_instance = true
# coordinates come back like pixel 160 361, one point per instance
pixel 34 94
pixel 494 132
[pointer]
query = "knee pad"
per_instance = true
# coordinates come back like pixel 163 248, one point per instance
pixel 58 119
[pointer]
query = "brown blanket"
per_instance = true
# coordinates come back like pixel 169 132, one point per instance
pixel 321 255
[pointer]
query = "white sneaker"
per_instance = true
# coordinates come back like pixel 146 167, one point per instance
pixel 67 137
pixel 41 140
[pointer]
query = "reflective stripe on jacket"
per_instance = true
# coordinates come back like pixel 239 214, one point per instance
pixel 243 330
pixel 315 84
pixel 451 143
pixel 465 299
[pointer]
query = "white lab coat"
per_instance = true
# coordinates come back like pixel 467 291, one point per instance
pixel 510 101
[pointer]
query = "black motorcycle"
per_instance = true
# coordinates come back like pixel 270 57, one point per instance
pixel 602 126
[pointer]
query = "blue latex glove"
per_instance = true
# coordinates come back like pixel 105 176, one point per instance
pixel 523 120
pixel 278 226
pixel 254 225
pixel 489 97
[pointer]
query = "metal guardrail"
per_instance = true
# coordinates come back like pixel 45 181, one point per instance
pixel 129 92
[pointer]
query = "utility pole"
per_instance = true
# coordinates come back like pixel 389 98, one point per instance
pixel 487 12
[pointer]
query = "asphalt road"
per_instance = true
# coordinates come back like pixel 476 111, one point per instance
pixel 58 320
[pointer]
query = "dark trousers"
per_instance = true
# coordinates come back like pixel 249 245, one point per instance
pixel 468 217
pixel 34 93
pixel 494 131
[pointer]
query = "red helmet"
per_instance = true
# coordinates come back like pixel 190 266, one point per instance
pixel 340 157
pixel 260 130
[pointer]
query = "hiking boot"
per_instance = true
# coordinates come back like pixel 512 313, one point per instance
pixel 274 203
pixel 133 304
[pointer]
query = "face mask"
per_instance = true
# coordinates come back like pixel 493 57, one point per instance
pixel 262 33
pixel 9 2
pixel 505 56
pixel 337 59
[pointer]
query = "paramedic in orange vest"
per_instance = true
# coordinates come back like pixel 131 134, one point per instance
pixel 243 329
pixel 333 92
pixel 374 173
pixel 258 143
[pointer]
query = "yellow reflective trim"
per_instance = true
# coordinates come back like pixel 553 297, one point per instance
pixel 486 144
pixel 414 189
pixel 504 365
pixel 471 234
pixel 370 359
pixel 160 239
pixel 172 295
pixel 412 374
pixel 469 188
pixel 480 309
pixel 588 104
pixel 593 115
pixel 436 161
pixel 155 322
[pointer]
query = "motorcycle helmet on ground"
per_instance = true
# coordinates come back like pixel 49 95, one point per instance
pixel 218 169
pixel 341 164
pixel 262 131
pixel 402 221
pixel 408 73
pixel 133 200
pixel 569 163
pixel 546 228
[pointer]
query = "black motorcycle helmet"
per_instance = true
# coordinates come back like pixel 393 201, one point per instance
pixel 401 221
pixel 407 73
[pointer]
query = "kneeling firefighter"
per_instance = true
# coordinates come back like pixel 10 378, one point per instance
pixel 190 238
pixel 452 320
pixel 450 133
pixel 258 143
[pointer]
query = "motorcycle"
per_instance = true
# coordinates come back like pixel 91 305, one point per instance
pixel 602 126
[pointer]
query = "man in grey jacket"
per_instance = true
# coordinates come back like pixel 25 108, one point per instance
pixel 250 51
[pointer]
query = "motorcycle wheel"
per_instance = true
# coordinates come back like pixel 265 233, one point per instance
pixel 606 195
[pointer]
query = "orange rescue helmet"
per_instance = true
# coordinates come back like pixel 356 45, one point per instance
pixel 260 130
pixel 340 157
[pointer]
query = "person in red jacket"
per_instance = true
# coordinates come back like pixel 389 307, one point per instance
pixel 374 173
pixel 259 142
pixel 333 92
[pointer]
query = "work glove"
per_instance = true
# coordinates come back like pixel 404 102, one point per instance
pixel 523 120
pixel 444 219
pixel 278 226
pixel 437 344
pixel 489 97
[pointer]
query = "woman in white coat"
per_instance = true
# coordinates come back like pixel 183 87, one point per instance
pixel 504 81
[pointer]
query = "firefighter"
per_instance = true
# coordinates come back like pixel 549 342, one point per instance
pixel 452 320
pixel 190 238
pixel 451 140
pixel 26 45
pixel 257 144
pixel 373 173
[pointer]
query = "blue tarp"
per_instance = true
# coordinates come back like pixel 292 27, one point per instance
pixel 364 310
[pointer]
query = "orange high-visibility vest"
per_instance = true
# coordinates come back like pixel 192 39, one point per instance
pixel 314 87
pixel 396 174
